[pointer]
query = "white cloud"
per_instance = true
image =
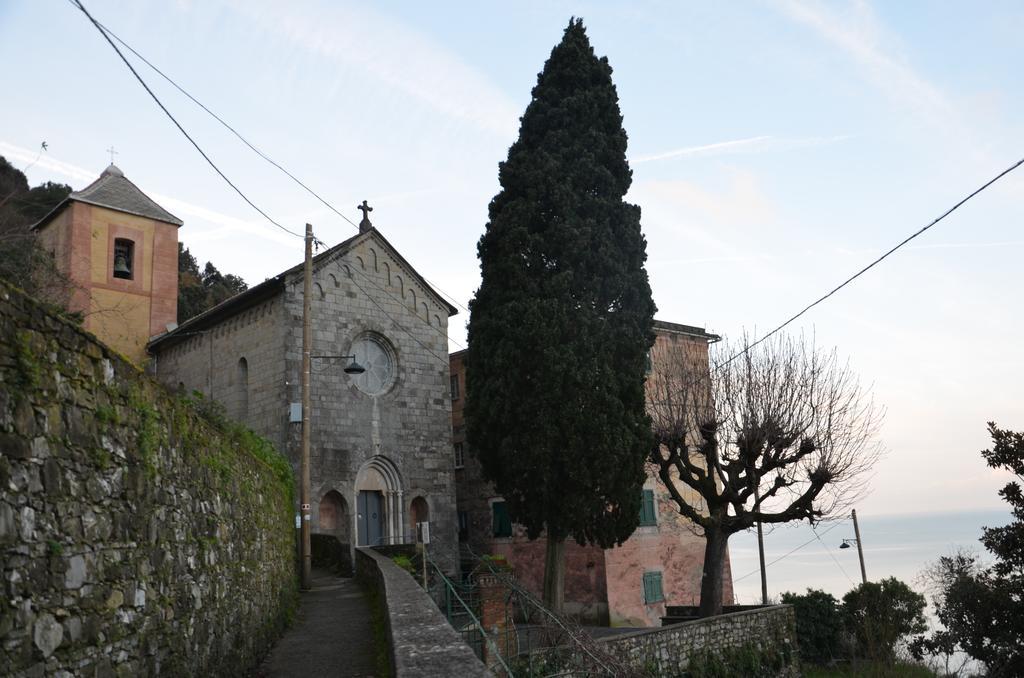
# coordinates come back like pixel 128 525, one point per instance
pixel 759 144
pixel 394 55
pixel 858 33
pixel 45 162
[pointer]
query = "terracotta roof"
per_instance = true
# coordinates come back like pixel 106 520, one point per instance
pixel 113 191
pixel 690 330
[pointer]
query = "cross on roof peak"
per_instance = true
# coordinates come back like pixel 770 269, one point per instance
pixel 112 153
pixel 365 224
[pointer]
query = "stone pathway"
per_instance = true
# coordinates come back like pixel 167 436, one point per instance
pixel 331 636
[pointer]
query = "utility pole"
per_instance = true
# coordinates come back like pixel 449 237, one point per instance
pixel 307 340
pixel 760 549
pixel 860 547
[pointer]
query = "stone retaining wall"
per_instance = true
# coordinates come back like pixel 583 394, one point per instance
pixel 137 537
pixel 423 643
pixel 666 651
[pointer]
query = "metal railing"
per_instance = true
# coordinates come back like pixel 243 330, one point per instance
pixel 536 642
pixel 451 594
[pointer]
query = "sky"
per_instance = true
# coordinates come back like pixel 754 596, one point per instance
pixel 776 148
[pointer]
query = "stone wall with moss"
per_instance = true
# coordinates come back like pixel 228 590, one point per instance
pixel 141 533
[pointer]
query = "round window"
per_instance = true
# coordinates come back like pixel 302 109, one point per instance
pixel 374 354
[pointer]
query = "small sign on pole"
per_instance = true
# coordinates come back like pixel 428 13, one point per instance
pixel 424 529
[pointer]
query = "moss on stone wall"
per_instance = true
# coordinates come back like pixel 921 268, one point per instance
pixel 142 532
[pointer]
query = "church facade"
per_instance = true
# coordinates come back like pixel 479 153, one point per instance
pixel 662 562
pixel 380 440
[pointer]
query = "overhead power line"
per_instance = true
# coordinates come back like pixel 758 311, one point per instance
pixel 252 147
pixel 787 555
pixel 877 261
pixel 225 124
pixel 108 34
pixel 833 557
pixel 103 32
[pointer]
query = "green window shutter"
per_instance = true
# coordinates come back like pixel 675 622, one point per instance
pixel 647 515
pixel 652 588
pixel 501 522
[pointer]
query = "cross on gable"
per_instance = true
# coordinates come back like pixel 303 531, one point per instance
pixel 365 224
pixel 112 153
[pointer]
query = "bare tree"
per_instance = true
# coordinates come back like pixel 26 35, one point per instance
pixel 783 432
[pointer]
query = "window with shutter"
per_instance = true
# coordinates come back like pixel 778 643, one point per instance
pixel 647 515
pixel 501 522
pixel 652 588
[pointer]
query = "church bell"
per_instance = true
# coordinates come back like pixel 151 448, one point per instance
pixel 121 264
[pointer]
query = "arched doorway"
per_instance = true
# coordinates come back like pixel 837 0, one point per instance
pixel 419 512
pixel 380 509
pixel 333 518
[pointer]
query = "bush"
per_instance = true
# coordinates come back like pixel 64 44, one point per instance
pixel 819 625
pixel 880 614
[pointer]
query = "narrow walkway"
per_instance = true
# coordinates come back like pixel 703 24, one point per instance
pixel 332 634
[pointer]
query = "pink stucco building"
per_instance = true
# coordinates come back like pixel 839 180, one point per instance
pixel 630 585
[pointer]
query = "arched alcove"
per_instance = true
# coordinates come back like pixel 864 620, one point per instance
pixel 333 516
pixel 419 512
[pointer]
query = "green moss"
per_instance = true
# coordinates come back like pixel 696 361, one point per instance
pixel 54 547
pixel 222 456
pixel 404 563
pixel 107 414
pixel 99 456
pixel 29 373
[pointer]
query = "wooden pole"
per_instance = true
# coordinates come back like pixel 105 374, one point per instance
pixel 860 548
pixel 760 550
pixel 307 340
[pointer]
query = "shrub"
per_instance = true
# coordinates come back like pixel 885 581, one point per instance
pixel 819 625
pixel 880 614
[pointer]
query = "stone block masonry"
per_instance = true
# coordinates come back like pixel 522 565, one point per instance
pixel 138 537
pixel 769 633
pixel 423 643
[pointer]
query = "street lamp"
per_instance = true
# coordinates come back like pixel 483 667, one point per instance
pixel 860 551
pixel 352 368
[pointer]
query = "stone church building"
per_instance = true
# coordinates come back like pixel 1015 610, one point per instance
pixel 380 440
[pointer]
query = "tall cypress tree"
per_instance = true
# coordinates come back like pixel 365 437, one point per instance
pixel 562 321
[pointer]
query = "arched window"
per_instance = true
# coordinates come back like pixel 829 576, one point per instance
pixel 243 388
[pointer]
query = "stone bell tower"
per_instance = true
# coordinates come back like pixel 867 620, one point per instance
pixel 119 249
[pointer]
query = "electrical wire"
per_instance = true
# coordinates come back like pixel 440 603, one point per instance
pixel 874 263
pixel 225 124
pixel 159 103
pixel 398 324
pixel 107 34
pixel 783 557
pixel 834 559
pixel 256 150
pixel 320 243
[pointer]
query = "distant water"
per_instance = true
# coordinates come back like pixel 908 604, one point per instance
pixel 898 546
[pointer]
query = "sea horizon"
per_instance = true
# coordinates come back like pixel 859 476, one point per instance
pixel 900 545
